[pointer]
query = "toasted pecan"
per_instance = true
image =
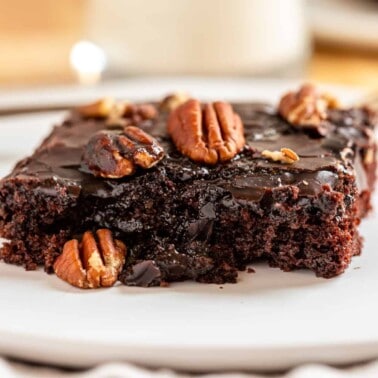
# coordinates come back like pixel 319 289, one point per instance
pixel 206 134
pixel 91 263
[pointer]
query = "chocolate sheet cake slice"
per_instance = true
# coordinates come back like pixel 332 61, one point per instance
pixel 292 193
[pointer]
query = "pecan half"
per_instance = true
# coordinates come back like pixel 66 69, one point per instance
pixel 209 134
pixel 136 114
pixel 99 109
pixel 92 263
pixel 173 100
pixel 113 154
pixel 127 114
pixel 307 108
pixel 285 155
pixel 121 113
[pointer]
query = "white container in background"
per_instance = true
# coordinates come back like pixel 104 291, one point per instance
pixel 199 36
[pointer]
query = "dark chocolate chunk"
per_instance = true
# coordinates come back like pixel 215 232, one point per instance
pixel 144 273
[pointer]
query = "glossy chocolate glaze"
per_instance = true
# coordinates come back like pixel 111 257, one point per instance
pixel 58 162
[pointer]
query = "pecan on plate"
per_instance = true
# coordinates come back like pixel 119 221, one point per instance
pixel 93 263
pixel 206 134
pixel 307 108
pixel 113 154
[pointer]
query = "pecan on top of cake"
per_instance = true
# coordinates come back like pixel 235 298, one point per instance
pixel 285 155
pixel 209 133
pixel 118 113
pixel 173 101
pixel 307 108
pixel 114 154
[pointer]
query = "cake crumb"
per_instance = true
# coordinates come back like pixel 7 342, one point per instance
pixel 164 284
pixel 250 270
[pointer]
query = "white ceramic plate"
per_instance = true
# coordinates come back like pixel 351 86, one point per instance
pixel 268 320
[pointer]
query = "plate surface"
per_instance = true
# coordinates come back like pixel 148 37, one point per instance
pixel 268 320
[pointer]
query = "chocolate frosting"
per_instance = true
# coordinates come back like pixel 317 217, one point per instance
pixel 58 162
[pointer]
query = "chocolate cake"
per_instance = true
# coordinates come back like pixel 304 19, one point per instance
pixel 190 200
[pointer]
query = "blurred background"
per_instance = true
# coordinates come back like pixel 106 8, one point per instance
pixel 46 42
